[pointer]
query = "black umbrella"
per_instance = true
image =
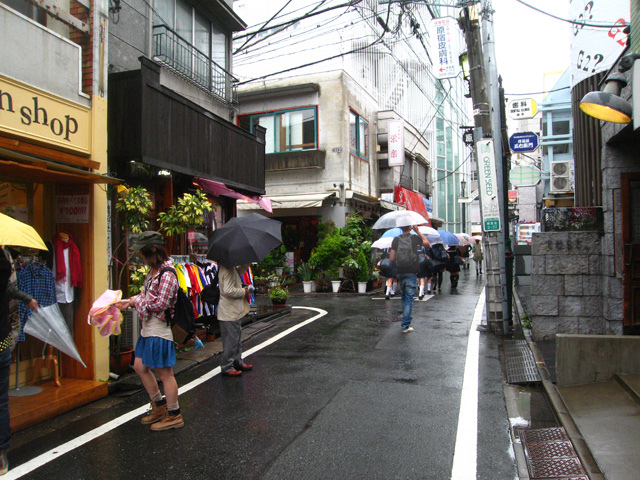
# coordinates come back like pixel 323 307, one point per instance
pixel 244 240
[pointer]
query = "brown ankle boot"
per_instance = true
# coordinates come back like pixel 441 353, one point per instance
pixel 168 422
pixel 155 414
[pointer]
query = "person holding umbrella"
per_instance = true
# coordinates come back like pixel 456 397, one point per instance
pixel 404 252
pixel 155 349
pixel 241 241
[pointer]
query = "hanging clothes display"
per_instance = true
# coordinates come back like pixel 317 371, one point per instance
pixel 36 280
pixel 68 272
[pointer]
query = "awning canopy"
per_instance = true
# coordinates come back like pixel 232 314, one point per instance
pixel 42 171
pixel 303 200
pixel 391 206
pixel 218 188
pixel 412 200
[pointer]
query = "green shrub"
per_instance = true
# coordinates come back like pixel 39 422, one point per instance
pixel 278 294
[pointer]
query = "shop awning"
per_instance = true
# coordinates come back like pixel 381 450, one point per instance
pixel 412 200
pixel 391 206
pixel 26 168
pixel 304 200
pixel 218 188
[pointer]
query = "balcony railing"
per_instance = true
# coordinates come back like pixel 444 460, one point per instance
pixel 183 58
pixel 573 219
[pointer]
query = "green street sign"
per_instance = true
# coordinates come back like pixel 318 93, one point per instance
pixel 492 225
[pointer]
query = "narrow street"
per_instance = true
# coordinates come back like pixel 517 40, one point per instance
pixel 346 395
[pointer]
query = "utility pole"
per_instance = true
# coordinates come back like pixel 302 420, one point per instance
pixel 487 161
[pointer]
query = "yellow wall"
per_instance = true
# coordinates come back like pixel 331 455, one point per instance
pixel 100 267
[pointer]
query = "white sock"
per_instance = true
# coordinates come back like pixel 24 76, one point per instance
pixel 388 291
pixel 421 291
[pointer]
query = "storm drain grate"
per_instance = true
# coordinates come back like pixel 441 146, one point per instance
pixel 519 362
pixel 550 455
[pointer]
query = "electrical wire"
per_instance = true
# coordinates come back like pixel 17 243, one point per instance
pixel 536 93
pixel 573 22
pixel 239 49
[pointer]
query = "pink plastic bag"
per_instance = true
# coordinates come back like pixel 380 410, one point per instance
pixel 105 315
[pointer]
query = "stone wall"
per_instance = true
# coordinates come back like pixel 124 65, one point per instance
pixel 566 284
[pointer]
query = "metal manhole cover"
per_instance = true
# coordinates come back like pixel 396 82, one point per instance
pixel 545 435
pixel 519 362
pixel 548 450
pixel 383 319
pixel 553 468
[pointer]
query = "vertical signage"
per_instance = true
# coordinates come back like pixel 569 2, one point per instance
pixel 488 186
pixel 395 132
pixel 445 39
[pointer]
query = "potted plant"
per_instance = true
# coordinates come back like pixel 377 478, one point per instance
pixel 362 275
pixel 333 276
pixel 278 296
pixel 306 272
pixel 186 214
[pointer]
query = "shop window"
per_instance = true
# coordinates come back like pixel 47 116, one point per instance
pixel 287 130
pixel 358 135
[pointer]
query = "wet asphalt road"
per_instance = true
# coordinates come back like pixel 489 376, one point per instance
pixel 345 397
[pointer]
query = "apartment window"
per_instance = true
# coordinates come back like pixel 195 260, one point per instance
pixel 358 135
pixel 28 9
pixel 287 130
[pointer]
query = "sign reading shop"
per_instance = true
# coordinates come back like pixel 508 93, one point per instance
pixel 28 112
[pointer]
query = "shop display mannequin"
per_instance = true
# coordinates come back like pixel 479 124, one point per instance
pixel 68 274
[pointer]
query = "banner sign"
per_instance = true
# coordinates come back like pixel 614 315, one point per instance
pixel 445 35
pixel 412 201
pixel 72 209
pixel 595 50
pixel 488 186
pixel 395 133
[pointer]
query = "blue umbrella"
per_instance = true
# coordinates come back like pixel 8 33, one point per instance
pixel 448 237
pixel 392 232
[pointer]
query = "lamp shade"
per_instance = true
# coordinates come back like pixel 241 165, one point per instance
pixel 606 106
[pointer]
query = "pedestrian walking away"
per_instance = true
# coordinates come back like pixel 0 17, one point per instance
pixel 232 307
pixel 404 252
pixel 478 256
pixel 8 290
pixel 453 265
pixel 439 258
pixel 155 349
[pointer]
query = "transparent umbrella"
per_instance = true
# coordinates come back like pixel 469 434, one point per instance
pixel 399 218
pixel 47 324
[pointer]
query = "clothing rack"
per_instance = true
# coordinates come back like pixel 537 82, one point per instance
pixel 202 258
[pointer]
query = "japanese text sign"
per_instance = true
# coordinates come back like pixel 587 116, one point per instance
pixel 395 131
pixel 445 35
pixel 72 208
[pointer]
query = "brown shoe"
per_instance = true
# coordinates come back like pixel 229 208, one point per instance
pixel 232 373
pixel 168 422
pixel 244 367
pixel 155 414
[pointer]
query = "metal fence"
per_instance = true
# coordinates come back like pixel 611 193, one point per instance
pixel 573 219
pixel 183 58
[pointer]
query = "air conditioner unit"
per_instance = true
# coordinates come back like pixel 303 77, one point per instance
pixel 561 176
pixel 130 328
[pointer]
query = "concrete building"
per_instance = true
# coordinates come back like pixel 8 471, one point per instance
pixel 53 156
pixel 348 76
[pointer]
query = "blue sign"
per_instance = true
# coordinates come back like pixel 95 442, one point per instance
pixel 523 142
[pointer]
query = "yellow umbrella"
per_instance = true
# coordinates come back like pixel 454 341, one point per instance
pixel 18 234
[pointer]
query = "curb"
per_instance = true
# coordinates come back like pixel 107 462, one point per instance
pixel 557 403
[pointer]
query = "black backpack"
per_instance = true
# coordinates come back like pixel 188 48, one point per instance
pixel 183 321
pixel 211 293
pixel 439 253
pixel 406 254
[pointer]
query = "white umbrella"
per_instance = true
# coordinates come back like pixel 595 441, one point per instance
pixel 399 218
pixel 382 243
pixel 48 325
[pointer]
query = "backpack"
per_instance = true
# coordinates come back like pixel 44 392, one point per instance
pixel 406 255
pixel 211 293
pixel 439 253
pixel 183 321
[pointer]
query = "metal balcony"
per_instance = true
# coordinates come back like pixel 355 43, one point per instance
pixel 181 57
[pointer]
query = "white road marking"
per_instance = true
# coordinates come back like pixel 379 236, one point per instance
pixel 466 450
pixel 67 447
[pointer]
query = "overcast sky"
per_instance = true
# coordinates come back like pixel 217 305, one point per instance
pixel 530 44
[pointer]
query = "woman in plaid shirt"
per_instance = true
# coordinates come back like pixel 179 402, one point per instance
pixel 155 349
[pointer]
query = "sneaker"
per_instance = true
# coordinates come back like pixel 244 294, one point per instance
pixel 407 330
pixel 4 462
pixel 168 422
pixel 420 297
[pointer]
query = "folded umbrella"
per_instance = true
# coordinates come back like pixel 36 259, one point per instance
pixel 399 218
pixel 17 234
pixel 105 315
pixel 244 240
pixel 47 324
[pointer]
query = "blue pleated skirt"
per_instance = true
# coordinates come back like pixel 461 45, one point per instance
pixel 156 352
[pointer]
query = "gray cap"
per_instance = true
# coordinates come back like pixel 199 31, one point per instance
pixel 147 238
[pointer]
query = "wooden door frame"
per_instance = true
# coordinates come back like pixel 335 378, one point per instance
pixel 627 305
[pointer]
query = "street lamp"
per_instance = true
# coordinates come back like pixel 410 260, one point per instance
pixel 463 58
pixel 463 185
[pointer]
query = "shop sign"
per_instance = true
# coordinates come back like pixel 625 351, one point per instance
pixel 488 186
pixel 445 32
pixel 31 113
pixel 521 109
pixel 395 134
pixel 72 209
pixel 191 236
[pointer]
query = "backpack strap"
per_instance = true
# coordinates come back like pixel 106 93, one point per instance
pixel 167 312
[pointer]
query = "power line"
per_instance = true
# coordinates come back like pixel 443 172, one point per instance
pixel 263 26
pixel 573 22
pixel 536 93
